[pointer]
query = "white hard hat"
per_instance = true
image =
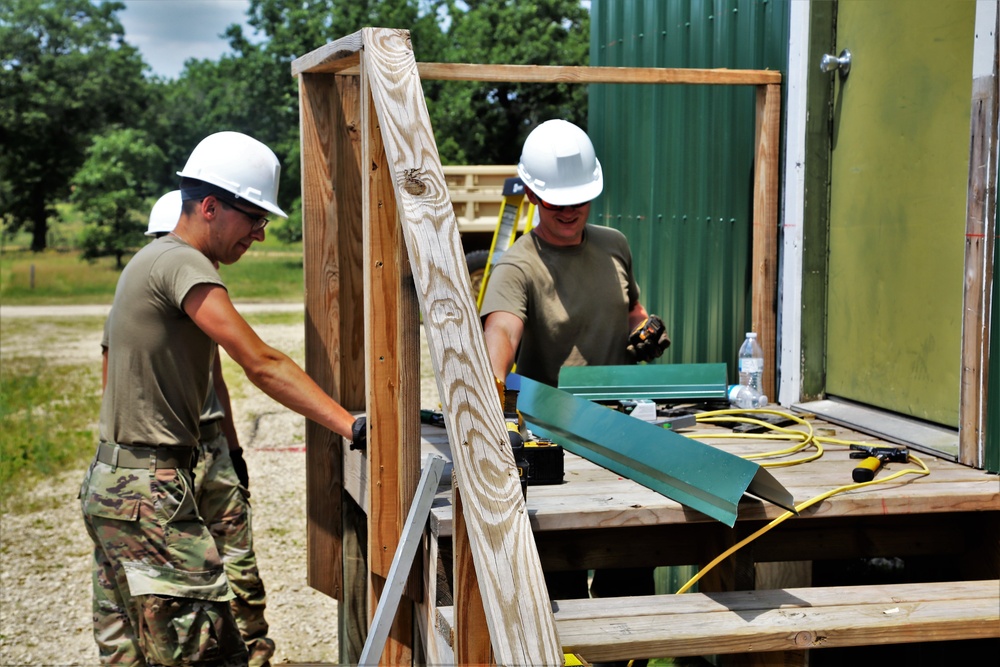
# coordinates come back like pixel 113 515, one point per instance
pixel 165 214
pixel 238 164
pixel 559 164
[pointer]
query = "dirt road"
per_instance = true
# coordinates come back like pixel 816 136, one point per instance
pixel 45 553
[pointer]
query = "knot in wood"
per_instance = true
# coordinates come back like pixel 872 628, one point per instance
pixel 804 639
pixel 412 184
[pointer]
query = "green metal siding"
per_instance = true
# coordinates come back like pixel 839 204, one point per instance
pixel 678 160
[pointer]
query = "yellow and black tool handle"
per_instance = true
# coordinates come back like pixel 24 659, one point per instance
pixel 867 469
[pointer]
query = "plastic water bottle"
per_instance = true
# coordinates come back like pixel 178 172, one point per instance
pixel 751 365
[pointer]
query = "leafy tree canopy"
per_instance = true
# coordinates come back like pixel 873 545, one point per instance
pixel 65 73
pixel 117 179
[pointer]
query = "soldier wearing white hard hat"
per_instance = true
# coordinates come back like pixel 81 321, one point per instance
pixel 157 569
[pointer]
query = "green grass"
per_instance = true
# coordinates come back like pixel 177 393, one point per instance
pixel 48 414
pixel 271 273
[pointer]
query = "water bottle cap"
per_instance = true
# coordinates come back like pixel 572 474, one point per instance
pixel 751 334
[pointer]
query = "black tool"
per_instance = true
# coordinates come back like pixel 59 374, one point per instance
pixel 874 459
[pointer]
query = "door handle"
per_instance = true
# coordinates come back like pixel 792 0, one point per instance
pixel 831 63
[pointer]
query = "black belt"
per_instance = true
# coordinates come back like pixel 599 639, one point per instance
pixel 126 456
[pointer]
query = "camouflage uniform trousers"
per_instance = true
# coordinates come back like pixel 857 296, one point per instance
pixel 224 505
pixel 160 594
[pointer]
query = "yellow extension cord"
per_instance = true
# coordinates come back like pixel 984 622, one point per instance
pixel 805 439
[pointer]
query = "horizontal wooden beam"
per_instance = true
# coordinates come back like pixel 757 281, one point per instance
pixel 329 58
pixel 584 74
pixel 792 619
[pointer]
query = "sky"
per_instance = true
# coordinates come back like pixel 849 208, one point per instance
pixel 168 32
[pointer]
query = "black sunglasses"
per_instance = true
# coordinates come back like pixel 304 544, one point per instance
pixel 553 207
pixel 257 222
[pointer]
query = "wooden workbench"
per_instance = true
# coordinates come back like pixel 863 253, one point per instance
pixel 597 518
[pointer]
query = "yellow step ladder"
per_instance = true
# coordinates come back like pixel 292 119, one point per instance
pixel 514 207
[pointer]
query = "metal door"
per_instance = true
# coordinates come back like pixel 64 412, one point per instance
pixel 899 179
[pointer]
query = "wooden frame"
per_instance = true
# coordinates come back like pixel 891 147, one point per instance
pixel 369 154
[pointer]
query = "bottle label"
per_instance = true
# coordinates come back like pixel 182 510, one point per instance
pixel 751 365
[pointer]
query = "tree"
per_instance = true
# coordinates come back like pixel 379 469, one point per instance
pixel 117 179
pixel 486 123
pixel 65 74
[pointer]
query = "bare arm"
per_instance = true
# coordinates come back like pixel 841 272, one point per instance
pixel 636 316
pixel 270 370
pixel 503 332
pixel 222 391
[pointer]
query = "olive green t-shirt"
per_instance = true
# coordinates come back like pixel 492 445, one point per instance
pixel 159 361
pixel 211 411
pixel 574 301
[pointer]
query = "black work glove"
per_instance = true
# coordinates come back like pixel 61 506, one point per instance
pixel 240 466
pixel 648 340
pixel 359 433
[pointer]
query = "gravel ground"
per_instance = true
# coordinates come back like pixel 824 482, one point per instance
pixel 45 554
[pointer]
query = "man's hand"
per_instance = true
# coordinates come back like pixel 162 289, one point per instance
pixel 359 433
pixel 648 340
pixel 240 466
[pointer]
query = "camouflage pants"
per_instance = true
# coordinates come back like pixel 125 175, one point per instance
pixel 160 591
pixel 225 507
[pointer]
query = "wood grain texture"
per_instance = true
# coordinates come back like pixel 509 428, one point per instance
pixel 980 242
pixel 514 596
pixel 329 58
pixel 324 477
pixel 793 619
pixel 764 279
pixel 472 638
pixel 585 75
pixel 392 375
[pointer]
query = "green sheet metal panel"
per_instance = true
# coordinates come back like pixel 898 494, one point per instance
pixel 678 160
pixel 655 382
pixel 899 184
pixel 694 474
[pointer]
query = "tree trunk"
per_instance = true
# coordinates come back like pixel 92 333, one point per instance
pixel 39 225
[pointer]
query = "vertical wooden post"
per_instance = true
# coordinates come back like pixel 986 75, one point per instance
pixel 980 239
pixel 518 611
pixel 392 376
pixel 472 636
pixel 764 276
pixel 331 259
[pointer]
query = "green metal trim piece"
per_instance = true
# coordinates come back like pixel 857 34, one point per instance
pixel 663 382
pixel 699 476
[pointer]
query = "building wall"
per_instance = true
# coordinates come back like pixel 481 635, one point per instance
pixel 678 159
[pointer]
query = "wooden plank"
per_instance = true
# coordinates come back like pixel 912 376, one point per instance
pixel 980 238
pixel 776 620
pixel 330 229
pixel 517 610
pixel 331 57
pixel 587 75
pixel 352 607
pixel 764 277
pixel 402 561
pixel 392 374
pixel 472 637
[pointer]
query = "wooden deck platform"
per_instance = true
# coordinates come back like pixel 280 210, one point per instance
pixel 599 519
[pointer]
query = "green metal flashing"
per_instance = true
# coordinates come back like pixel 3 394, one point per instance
pixel 668 382
pixel 699 476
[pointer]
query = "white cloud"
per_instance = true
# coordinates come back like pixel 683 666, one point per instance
pixel 168 32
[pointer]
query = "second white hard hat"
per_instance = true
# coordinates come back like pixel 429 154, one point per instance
pixel 559 164
pixel 239 164
pixel 165 214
